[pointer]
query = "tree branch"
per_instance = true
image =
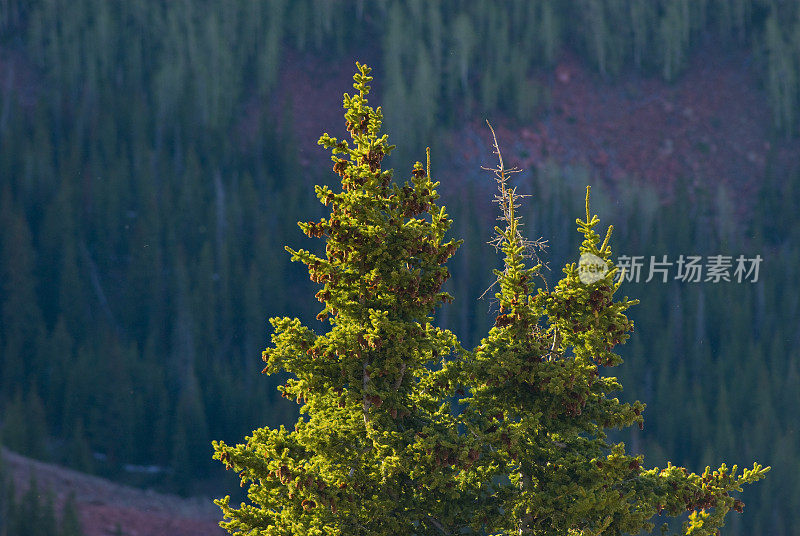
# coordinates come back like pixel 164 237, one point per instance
pixel 435 522
pixel 527 519
pixel 364 393
pixel 400 378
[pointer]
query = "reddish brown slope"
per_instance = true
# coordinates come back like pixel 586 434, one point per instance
pixel 108 508
pixel 711 124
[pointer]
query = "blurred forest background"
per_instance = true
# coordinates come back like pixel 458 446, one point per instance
pixel 155 156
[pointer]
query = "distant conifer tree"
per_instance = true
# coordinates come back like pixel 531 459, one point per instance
pixel 383 450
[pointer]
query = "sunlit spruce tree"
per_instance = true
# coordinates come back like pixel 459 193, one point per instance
pixel 366 457
pixel 382 449
pixel 539 406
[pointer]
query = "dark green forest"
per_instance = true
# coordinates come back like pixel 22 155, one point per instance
pixel 142 234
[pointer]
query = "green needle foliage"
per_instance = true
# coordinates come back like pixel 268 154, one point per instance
pixel 362 461
pixel 382 448
pixel 539 407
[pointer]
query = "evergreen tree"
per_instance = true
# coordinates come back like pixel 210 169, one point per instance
pixel 20 316
pixel 539 405
pixel 24 425
pixel 382 449
pixel 370 457
pixel 70 521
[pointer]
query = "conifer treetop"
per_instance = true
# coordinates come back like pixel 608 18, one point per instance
pixel 538 407
pixel 376 448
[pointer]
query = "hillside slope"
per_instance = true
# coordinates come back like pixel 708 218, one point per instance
pixel 711 125
pixel 109 508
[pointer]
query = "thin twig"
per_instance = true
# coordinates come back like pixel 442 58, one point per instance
pixel 364 394
pixel 507 199
pixel 437 524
